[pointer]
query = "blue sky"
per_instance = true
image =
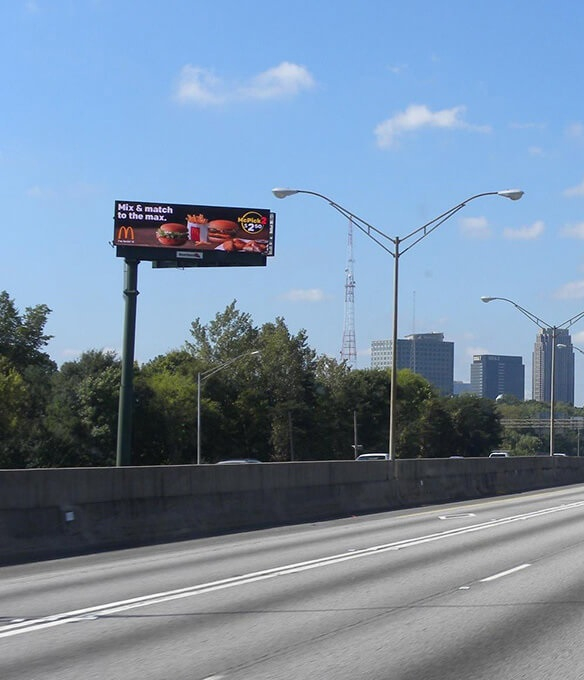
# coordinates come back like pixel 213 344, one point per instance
pixel 397 111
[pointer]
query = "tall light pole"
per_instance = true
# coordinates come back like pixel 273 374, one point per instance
pixel 392 245
pixel 203 376
pixel 554 333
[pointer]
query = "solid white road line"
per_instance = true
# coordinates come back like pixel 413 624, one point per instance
pixel 504 573
pixel 90 613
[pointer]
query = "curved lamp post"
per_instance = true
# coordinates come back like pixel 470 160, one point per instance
pixel 203 376
pixel 554 329
pixel 392 246
pixel 580 421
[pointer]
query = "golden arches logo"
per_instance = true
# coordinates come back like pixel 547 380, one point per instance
pixel 126 234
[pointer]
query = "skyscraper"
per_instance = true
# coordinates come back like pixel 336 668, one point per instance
pixel 424 353
pixel 564 366
pixel 492 375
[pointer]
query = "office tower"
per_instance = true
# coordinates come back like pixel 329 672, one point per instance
pixel 461 387
pixel 492 375
pixel 564 366
pixel 380 353
pixel 424 353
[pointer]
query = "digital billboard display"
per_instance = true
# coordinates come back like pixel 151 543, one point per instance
pixel 193 235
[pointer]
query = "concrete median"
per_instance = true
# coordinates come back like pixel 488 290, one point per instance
pixel 55 512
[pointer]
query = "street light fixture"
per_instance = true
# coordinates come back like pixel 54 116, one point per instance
pixel 203 376
pixel 554 329
pixel 392 246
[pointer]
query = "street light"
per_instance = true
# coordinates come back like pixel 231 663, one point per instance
pixel 554 329
pixel 392 246
pixel 579 421
pixel 203 376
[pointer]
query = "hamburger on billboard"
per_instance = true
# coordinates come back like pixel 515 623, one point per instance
pixel 205 235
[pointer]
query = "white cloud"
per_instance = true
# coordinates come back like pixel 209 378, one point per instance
pixel 535 151
pixel 578 190
pixel 397 68
pixel 201 86
pixel 283 80
pixel 575 131
pixel 475 227
pixel 571 291
pixel 527 233
pixel 416 117
pixel 37 191
pixel 304 295
pixel 574 230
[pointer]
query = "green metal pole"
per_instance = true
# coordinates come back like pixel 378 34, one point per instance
pixel 199 418
pixel 126 405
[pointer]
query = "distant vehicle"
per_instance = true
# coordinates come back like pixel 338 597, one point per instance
pixel 561 454
pixel 499 454
pixel 373 456
pixel 456 456
pixel 238 461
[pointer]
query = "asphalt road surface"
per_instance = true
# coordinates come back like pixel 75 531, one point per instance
pixel 484 590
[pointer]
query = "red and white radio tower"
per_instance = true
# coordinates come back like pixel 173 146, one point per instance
pixel 349 348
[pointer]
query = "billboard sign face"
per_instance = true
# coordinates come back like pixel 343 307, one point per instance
pixel 193 235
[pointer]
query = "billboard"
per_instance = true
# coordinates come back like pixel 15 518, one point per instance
pixel 170 234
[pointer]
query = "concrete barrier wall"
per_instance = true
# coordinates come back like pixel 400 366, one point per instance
pixel 54 512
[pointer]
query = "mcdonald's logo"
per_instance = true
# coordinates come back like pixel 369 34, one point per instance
pixel 126 234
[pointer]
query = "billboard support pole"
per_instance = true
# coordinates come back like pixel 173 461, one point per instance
pixel 126 404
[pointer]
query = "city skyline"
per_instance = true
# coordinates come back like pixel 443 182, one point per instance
pixel 482 379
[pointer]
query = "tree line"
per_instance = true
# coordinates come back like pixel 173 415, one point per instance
pixel 278 401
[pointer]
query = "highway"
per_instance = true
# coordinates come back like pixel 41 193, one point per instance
pixel 481 590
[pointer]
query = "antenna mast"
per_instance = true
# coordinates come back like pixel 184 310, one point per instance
pixel 349 347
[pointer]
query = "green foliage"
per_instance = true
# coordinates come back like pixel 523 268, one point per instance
pixel 22 336
pixel 229 334
pixel 25 382
pixel 82 414
pixel 335 406
pixel 522 444
pixel 527 427
pixel 436 431
pixel 286 378
pixel 414 397
pixel 264 394
pixel 367 392
pixel 345 398
pixel 477 425
pixel 13 397
pixel 173 407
